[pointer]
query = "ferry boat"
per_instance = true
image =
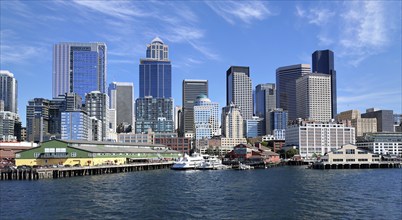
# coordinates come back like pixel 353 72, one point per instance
pixel 212 163
pixel 188 162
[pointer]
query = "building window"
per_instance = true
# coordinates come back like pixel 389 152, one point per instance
pixel 36 155
pixel 363 159
pixel 17 155
pixel 350 160
pixel 73 154
pixel 362 152
pixel 337 160
pixel 350 151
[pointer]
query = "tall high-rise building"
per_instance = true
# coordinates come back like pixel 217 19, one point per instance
pixel 74 125
pixel 313 97
pixel 253 127
pixel 206 118
pixel 79 68
pixel 265 101
pixel 286 87
pixel 97 105
pixel 239 90
pixel 154 113
pixel 156 71
pixel 277 121
pixel 190 91
pixel 121 97
pixel 323 62
pixel 8 91
pixel 232 122
pixel 38 120
pixel 9 124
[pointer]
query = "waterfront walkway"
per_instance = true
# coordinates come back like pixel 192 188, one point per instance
pixel 65 172
pixel 381 164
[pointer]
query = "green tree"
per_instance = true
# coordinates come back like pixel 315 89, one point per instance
pixel 291 152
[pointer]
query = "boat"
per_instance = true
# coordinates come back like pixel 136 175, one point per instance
pixel 212 163
pixel 188 162
pixel 241 166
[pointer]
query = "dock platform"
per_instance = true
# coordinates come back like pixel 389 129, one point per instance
pixel 65 172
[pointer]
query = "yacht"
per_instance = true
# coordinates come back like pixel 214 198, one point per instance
pixel 188 162
pixel 212 163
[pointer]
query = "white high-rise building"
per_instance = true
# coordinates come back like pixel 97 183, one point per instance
pixel 239 90
pixel 206 117
pixel 97 105
pixel 232 122
pixel 319 138
pixel 8 91
pixel 121 96
pixel 313 97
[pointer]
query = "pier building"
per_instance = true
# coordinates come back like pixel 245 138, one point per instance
pixel 91 153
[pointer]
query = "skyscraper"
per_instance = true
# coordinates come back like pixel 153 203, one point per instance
pixel 121 99
pixel 286 87
pixel 232 122
pixel 323 62
pixel 277 121
pixel 265 100
pixel 156 71
pixel 97 105
pixel 190 91
pixel 313 94
pixel 79 68
pixel 8 91
pixel 74 125
pixel 239 90
pixel 38 120
pixel 206 118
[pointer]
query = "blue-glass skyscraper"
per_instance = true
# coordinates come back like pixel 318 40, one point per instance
pixel 79 68
pixel 156 71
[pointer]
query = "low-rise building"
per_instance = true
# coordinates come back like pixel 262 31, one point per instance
pixel 386 143
pixel 350 154
pixel 92 153
pixel 247 154
pixel 8 149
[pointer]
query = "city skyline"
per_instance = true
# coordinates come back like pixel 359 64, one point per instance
pixel 257 37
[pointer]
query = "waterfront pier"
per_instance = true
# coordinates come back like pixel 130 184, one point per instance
pixel 65 172
pixel 376 165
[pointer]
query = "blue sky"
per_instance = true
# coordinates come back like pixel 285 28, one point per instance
pixel 206 38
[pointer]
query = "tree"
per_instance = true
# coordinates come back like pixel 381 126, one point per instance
pixel 291 152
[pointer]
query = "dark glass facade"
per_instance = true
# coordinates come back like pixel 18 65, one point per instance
pixel 154 113
pixel 155 79
pixel 323 62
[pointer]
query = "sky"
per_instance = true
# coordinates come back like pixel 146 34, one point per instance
pixel 205 38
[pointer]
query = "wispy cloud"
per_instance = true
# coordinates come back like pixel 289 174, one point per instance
pixel 120 9
pixel 245 11
pixel 175 23
pixel 11 51
pixel 362 27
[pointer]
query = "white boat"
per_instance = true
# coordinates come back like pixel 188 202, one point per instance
pixel 188 162
pixel 242 167
pixel 212 163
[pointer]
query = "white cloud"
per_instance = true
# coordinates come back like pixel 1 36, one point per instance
pixel 245 11
pixel 119 9
pixel 355 30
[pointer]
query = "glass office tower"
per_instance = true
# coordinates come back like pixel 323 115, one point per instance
pixel 79 68
pixel 156 71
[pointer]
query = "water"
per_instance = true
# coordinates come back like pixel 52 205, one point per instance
pixel 277 193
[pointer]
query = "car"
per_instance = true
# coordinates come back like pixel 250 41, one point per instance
pixel 67 165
